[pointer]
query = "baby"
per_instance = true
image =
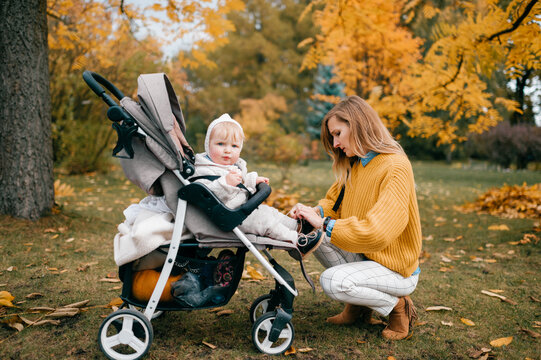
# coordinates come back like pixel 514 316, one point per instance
pixel 223 144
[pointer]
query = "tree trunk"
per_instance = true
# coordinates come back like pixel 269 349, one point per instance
pixel 26 155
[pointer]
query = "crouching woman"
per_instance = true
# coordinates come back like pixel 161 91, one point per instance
pixel 370 218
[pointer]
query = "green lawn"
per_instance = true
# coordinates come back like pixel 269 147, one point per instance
pixel 64 256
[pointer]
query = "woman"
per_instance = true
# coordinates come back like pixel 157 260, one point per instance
pixel 371 220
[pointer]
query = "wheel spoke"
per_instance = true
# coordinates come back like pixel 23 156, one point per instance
pixel 264 306
pixel 137 345
pixel 266 344
pixel 267 326
pixel 285 334
pixel 127 323
pixel 111 341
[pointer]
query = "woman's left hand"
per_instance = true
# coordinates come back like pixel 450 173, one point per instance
pixel 310 214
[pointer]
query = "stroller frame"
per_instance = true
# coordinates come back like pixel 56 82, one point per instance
pixel 270 314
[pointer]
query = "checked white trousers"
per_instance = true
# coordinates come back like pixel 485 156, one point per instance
pixel 353 279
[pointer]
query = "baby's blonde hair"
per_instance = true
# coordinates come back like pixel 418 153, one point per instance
pixel 226 131
pixel 367 133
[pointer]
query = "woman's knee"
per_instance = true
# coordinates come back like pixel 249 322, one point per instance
pixel 334 280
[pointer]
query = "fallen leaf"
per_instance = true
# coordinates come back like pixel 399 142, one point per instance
pixel 497 291
pixel 420 323
pixel 445 259
pixel 42 308
pixel 17 326
pixel 291 351
pixel 11 268
pixel 115 302
pixel 447 323
pixel 63 312
pixel 6 299
pixel 467 322
pixel 501 297
pixel 34 295
pixel 225 312
pixel 79 304
pixel 501 341
pixel 252 273
pixel 534 299
pixel 109 280
pixel 391 358
pixel 306 349
pixel 209 345
pixel 438 308
pixel 501 227
pixel 531 333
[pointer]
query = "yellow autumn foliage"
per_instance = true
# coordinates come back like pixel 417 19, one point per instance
pixel 509 201
pixel 443 93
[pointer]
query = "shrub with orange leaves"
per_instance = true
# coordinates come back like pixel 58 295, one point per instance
pixel 509 201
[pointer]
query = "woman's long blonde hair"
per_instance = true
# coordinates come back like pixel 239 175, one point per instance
pixel 367 133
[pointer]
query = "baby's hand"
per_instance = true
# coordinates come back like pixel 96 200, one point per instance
pixel 261 179
pixel 233 178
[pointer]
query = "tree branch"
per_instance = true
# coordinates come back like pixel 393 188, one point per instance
pixel 459 66
pixel 517 22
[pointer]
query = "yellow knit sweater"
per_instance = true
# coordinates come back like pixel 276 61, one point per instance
pixel 379 215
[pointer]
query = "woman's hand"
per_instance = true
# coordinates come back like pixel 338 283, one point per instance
pixel 311 215
pixel 261 179
pixel 233 178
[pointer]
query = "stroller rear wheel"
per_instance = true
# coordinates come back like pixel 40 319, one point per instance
pixel 125 334
pixel 261 331
pixel 260 306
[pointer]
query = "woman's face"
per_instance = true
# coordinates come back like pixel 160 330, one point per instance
pixel 340 133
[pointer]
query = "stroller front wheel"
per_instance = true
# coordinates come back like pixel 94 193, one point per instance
pixel 262 330
pixel 260 306
pixel 125 334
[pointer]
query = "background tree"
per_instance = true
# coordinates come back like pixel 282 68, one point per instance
pixel 327 92
pixel 261 58
pixel 26 171
pixel 26 156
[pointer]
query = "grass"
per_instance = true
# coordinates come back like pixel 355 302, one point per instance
pixel 64 256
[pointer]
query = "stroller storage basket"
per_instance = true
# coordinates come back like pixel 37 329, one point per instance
pixel 205 281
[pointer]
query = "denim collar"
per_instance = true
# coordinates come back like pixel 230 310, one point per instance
pixel 368 157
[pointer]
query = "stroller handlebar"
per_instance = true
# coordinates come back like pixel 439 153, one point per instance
pixel 94 80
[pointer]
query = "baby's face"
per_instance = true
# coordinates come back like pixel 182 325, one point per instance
pixel 224 151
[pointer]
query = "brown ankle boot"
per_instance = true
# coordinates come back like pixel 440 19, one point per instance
pixel 400 319
pixel 348 316
pixel 351 313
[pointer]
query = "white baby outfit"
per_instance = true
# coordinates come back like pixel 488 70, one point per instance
pixel 263 221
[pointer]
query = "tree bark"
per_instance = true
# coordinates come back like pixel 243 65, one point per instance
pixel 26 154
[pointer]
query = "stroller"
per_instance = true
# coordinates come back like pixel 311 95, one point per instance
pixel 155 155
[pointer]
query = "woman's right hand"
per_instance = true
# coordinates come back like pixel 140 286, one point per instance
pixel 297 208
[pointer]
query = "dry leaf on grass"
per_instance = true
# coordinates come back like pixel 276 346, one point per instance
pixel 209 345
pixel 501 341
pixel 306 349
pixel 109 280
pixel 501 297
pixel 34 295
pixel 6 299
pixel 531 333
pixel 467 322
pixel 476 354
pixel 225 312
pixel 438 308
pixel 291 351
pixel 251 273
pixel 447 323
pixel 115 302
pixel 501 227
